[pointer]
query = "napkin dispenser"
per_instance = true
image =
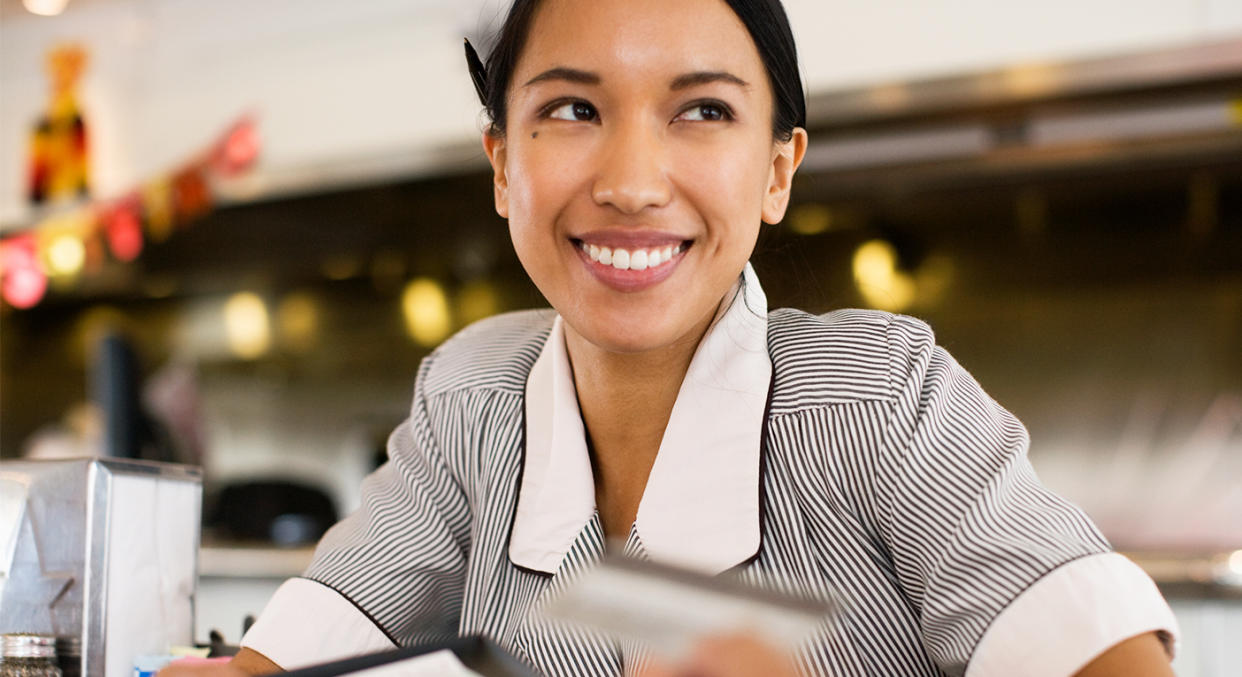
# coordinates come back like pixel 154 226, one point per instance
pixel 105 550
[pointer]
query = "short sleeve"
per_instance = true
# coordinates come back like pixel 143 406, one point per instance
pixel 968 525
pixel 399 560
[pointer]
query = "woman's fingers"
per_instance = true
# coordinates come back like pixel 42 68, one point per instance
pixel 188 669
pixel 738 655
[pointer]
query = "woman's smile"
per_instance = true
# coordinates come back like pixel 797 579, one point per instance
pixel 630 261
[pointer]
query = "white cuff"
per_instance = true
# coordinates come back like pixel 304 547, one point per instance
pixel 1070 616
pixel 307 623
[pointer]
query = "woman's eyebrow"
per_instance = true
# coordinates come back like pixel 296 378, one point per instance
pixel 565 74
pixel 697 78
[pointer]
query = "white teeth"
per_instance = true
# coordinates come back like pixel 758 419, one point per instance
pixel 624 259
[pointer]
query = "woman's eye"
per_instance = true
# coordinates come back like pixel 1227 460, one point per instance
pixel 705 112
pixel 576 111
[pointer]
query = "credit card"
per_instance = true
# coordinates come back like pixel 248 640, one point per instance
pixel 669 609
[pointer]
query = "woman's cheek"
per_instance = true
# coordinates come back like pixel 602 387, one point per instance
pixel 549 171
pixel 725 175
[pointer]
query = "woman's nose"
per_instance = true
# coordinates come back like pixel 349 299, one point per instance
pixel 632 173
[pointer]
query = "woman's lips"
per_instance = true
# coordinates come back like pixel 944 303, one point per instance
pixel 632 268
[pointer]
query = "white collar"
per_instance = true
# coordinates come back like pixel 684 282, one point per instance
pixel 700 508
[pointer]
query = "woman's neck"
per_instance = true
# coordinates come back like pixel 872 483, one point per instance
pixel 626 400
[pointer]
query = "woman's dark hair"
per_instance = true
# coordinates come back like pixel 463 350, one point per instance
pixel 765 20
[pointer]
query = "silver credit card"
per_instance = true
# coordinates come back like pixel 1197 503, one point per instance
pixel 669 609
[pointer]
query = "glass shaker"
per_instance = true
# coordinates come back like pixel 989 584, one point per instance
pixel 23 655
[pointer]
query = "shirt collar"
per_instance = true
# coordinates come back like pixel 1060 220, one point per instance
pixel 700 508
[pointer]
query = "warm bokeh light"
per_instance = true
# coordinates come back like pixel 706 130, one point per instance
pixel 881 284
pixel 1235 562
pixel 810 219
pixel 874 261
pixel 477 300
pixel 426 310
pixel 24 281
pixel 24 286
pixel 45 7
pixel 246 325
pixel 66 254
pixel 1033 79
pixel 297 320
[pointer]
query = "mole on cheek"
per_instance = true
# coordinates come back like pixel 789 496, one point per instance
pixel 534 135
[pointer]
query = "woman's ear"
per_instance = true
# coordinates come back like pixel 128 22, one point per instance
pixel 494 146
pixel 786 157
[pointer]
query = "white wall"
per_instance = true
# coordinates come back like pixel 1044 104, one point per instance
pixel 334 81
pixel 845 43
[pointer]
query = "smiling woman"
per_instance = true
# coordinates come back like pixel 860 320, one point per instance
pixel 653 139
pixel 637 148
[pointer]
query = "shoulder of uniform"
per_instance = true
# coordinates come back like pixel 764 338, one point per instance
pixel 843 356
pixel 496 353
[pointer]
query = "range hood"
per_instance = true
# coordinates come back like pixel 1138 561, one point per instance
pixel 1170 106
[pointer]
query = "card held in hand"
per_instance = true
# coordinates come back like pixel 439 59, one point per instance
pixel 669 609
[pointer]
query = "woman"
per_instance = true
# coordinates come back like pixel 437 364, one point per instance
pixel 637 146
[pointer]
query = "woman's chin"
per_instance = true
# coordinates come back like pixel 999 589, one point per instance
pixel 627 337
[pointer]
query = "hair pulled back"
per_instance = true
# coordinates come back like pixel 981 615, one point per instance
pixel 765 20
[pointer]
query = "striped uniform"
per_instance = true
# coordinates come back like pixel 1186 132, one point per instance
pixel 884 480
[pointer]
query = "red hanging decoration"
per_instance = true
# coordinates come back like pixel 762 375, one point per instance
pixel 191 198
pixel 124 231
pixel 238 150
pixel 149 213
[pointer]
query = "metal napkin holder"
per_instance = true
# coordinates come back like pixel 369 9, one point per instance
pixel 101 549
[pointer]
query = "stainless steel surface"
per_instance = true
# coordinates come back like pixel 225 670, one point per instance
pixel 1170 107
pixel 95 574
pixel 61 537
pixel 1021 84
pixel 45 517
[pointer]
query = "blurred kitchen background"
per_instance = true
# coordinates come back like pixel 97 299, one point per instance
pixel 250 221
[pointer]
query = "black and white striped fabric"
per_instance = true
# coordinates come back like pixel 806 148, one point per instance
pixel 890 484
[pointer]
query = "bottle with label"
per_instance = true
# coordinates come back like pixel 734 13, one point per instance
pixel 23 655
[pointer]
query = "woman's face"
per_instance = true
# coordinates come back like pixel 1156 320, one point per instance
pixel 638 163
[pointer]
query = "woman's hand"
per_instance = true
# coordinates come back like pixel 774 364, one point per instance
pixel 740 655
